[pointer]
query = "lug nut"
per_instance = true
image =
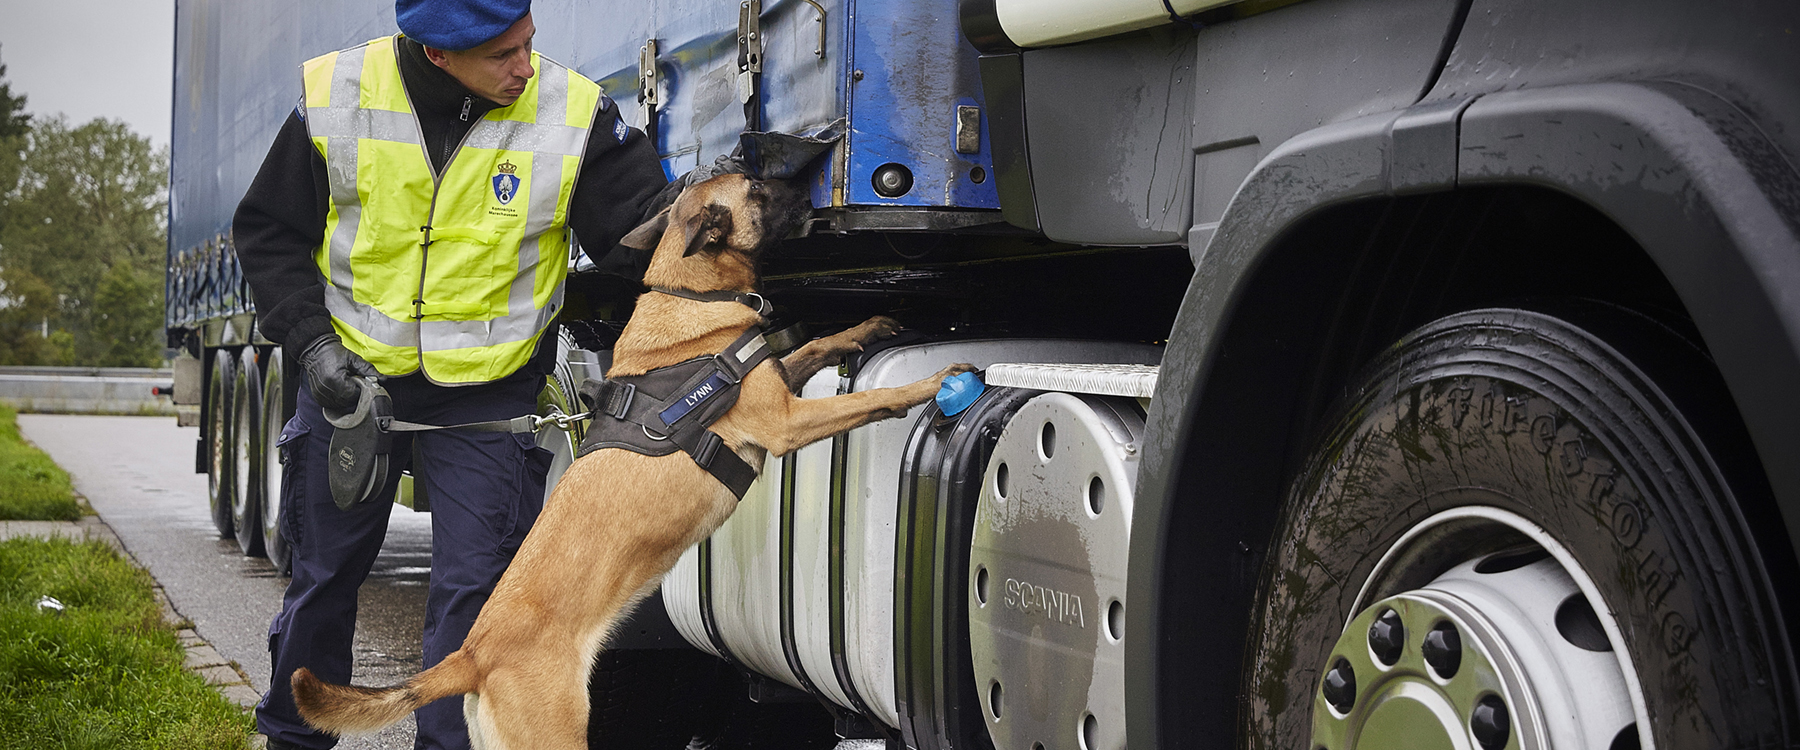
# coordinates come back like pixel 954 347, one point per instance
pixel 1387 637
pixel 1340 686
pixel 1490 723
pixel 1443 650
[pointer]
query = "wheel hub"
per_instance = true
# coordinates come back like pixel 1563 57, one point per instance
pixel 1499 653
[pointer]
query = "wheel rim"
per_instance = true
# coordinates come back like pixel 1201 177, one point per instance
pixel 243 438
pixel 1504 651
pixel 219 419
pixel 271 457
pixel 274 420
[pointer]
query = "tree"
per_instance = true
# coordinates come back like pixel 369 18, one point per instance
pixel 14 124
pixel 85 219
pixel 13 120
pixel 26 301
pixel 128 308
pixel 26 304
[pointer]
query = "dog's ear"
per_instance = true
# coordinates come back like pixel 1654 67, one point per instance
pixel 713 225
pixel 648 234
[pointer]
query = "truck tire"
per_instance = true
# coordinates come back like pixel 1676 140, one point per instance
pixel 219 407
pixel 246 449
pixel 1532 529
pixel 274 418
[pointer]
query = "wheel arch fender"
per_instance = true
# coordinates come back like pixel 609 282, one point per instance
pixel 1708 198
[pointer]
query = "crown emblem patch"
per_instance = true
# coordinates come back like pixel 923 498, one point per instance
pixel 506 182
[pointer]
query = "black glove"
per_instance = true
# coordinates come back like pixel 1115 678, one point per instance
pixel 333 370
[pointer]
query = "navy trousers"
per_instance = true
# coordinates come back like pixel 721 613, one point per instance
pixel 485 489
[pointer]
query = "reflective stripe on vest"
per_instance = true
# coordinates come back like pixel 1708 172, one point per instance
pixel 458 274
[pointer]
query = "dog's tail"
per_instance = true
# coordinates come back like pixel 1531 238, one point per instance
pixel 347 709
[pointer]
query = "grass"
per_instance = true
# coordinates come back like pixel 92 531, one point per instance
pixel 106 673
pixel 32 487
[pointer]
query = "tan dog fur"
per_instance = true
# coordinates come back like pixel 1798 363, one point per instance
pixel 618 520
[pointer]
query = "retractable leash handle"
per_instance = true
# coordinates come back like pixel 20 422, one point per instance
pixel 357 463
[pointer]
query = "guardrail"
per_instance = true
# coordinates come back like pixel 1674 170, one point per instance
pixel 87 390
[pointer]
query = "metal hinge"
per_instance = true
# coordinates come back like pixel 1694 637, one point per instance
pixel 647 85
pixel 750 47
pixel 647 95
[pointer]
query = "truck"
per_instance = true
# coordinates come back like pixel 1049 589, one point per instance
pixel 1357 374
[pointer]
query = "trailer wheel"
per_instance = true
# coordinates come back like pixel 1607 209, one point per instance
pixel 274 418
pixel 246 449
pixel 219 397
pixel 1515 537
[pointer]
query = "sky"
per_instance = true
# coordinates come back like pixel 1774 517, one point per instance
pixel 92 58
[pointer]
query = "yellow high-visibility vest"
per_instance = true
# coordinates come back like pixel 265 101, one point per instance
pixel 457 274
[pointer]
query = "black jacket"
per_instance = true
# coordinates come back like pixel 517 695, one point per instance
pixel 281 221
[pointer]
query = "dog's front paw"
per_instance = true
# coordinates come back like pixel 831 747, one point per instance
pixel 874 329
pixel 954 370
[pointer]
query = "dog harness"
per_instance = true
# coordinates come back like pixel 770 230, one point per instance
pixel 671 407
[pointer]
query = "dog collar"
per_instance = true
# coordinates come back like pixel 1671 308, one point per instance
pixel 751 300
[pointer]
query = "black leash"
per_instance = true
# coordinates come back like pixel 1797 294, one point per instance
pixel 528 423
pixel 379 407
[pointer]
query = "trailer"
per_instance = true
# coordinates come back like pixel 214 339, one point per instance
pixel 1357 374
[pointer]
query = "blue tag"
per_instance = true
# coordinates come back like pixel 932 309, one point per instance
pixel 694 398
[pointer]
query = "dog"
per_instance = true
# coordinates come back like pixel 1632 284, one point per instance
pixel 618 520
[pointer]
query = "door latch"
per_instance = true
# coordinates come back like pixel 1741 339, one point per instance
pixel 750 48
pixel 647 95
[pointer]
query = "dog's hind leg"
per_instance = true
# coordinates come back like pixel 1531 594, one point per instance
pixel 537 704
pixel 818 354
pixel 476 723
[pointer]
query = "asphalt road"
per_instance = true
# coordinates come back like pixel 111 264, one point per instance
pixel 138 473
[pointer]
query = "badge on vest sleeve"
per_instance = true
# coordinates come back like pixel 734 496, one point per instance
pixel 506 183
pixel 619 130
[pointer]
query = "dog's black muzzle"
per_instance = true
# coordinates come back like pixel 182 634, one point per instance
pixel 788 205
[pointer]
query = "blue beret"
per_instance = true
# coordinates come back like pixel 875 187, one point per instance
pixel 457 24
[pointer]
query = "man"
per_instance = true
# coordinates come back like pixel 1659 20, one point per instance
pixel 410 221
